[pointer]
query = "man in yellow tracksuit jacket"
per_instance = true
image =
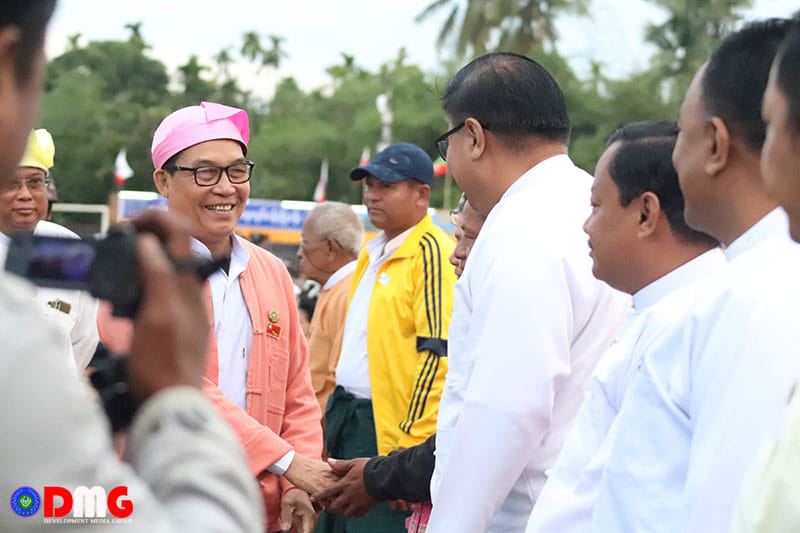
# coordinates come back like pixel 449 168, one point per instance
pixel 394 353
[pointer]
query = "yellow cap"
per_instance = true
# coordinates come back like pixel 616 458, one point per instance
pixel 40 150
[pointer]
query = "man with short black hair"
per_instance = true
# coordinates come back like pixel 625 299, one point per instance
pixel 642 246
pixel 713 384
pixel 394 353
pixel 530 322
pixel 768 500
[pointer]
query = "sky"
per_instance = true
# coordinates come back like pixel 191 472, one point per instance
pixel 316 32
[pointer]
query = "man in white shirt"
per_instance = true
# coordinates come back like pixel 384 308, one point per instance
pixel 530 321
pixel 185 470
pixel 710 387
pixel 640 245
pixel 23 207
pixel 768 499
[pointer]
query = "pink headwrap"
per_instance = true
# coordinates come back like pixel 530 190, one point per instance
pixel 198 123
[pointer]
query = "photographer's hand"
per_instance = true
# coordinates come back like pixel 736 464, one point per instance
pixel 170 335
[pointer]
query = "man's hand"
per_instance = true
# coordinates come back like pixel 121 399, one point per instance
pixel 170 335
pixel 347 497
pixel 309 475
pixel 297 512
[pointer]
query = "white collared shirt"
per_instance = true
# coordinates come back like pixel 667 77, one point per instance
pixel 232 324
pixel 234 331
pixel 352 371
pixel 529 324
pixel 568 497
pixel 706 393
pixel 339 275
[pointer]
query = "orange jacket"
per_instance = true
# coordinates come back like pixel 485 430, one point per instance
pixel 325 342
pixel 282 411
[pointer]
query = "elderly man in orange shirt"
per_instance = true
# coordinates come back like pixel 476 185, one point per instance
pixel 257 370
pixel 331 238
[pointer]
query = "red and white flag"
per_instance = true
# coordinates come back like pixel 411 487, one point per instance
pixel 122 170
pixel 320 193
pixel 364 157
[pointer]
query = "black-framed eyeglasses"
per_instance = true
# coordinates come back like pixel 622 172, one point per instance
pixel 208 176
pixel 442 142
pixel 454 215
pixel 35 183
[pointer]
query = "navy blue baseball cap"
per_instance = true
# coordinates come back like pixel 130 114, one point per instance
pixel 398 162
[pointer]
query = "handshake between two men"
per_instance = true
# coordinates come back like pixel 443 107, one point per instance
pixel 351 488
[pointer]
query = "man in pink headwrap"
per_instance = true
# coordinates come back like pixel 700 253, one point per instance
pixel 257 371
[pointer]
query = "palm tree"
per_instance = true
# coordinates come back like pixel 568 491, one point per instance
pixel 273 56
pixel 511 25
pixel 224 60
pixel 251 46
pixel 136 32
pixel 73 41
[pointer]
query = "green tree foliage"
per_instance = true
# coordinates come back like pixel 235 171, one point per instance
pixel 110 95
pixel 479 26
pixel 597 106
pixel 692 31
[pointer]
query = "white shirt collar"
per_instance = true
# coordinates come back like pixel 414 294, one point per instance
pixel 774 224
pixel 544 169
pixel 239 256
pixel 380 247
pixel 680 277
pixel 339 275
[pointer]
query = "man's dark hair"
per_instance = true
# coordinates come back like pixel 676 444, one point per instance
pixel 736 77
pixel 787 70
pixel 510 95
pixel 31 17
pixel 642 163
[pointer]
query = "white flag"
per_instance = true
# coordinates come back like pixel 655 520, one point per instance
pixel 320 193
pixel 122 170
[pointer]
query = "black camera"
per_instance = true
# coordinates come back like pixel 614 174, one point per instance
pixel 106 267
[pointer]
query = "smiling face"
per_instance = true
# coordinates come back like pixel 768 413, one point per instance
pixel 212 212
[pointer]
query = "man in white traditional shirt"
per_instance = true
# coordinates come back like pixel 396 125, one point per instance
pixel 24 207
pixel 710 388
pixel 640 245
pixel 530 321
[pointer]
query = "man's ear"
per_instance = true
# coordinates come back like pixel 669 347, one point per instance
pixel 162 180
pixel 423 194
pixel 649 214
pixel 719 146
pixel 476 137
